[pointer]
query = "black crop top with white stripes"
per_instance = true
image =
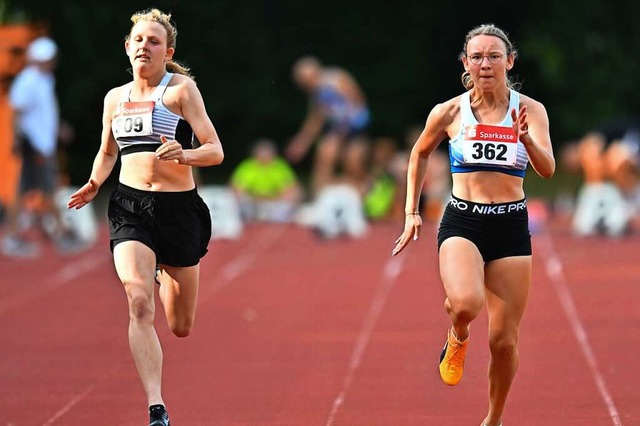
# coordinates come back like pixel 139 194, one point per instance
pixel 137 126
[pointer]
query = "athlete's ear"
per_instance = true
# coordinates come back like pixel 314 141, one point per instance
pixel 465 63
pixel 510 61
pixel 170 52
pixel 126 47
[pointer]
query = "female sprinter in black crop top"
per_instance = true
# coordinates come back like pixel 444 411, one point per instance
pixel 156 217
pixel 484 242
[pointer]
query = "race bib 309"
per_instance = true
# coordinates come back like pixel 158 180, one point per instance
pixel 133 119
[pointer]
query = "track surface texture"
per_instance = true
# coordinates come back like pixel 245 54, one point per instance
pixel 294 330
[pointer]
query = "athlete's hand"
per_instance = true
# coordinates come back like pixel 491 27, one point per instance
pixel 412 227
pixel 520 123
pixel 83 196
pixel 170 151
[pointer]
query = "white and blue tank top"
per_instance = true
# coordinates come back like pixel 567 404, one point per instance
pixel 137 126
pixel 481 147
pixel 340 112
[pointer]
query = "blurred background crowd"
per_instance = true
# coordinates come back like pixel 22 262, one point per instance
pixel 317 105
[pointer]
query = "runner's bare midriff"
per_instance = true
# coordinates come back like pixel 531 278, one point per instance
pixel 487 187
pixel 142 170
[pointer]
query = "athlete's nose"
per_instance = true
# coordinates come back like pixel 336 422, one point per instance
pixel 485 63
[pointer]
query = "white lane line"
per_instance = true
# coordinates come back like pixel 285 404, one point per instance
pixel 264 241
pixel 69 272
pixel 391 271
pixel 257 247
pixel 64 410
pixel 555 271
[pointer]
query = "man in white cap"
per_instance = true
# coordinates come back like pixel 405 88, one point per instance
pixel 36 120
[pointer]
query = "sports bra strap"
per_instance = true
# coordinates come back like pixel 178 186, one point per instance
pixel 157 94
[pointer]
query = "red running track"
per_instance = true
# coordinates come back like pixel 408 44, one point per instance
pixel 292 330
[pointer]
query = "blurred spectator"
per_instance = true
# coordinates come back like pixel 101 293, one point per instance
pixel 436 190
pixel 382 200
pixel 33 99
pixel 337 211
pixel 355 165
pixel 437 185
pixel 337 113
pixel 608 157
pixel 266 186
pixel 337 208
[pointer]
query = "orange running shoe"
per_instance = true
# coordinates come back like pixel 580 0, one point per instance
pixel 452 359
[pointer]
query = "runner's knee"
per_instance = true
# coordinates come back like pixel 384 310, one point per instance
pixel 465 308
pixel 503 344
pixel 141 307
pixel 182 328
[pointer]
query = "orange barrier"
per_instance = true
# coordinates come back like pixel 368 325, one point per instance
pixel 14 40
pixel 10 164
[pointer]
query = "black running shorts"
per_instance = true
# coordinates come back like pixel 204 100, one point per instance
pixel 498 230
pixel 175 225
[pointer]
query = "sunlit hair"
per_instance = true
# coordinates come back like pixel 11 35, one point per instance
pixel 164 19
pixel 491 30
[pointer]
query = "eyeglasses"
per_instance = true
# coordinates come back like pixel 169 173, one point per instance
pixel 493 58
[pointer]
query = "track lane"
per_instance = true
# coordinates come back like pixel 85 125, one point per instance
pixel 273 346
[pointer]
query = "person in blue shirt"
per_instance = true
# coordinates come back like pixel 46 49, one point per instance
pixel 337 114
pixel 35 106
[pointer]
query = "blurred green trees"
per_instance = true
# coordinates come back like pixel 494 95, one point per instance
pixel 580 58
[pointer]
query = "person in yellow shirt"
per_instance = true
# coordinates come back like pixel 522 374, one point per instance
pixel 380 200
pixel 266 185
